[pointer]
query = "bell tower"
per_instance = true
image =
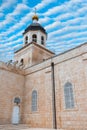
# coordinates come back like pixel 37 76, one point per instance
pixel 35 32
pixel 34 45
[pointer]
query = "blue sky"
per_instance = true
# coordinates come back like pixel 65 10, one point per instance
pixel 64 20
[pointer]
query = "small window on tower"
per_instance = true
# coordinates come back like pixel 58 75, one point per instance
pixel 22 61
pixel 26 39
pixel 34 38
pixel 42 40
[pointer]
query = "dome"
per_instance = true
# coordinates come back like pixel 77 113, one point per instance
pixel 35 17
pixel 34 27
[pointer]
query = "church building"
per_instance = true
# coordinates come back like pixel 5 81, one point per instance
pixel 42 89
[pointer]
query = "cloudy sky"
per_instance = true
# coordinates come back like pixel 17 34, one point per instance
pixel 64 20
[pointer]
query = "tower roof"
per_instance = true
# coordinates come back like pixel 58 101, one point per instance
pixel 34 27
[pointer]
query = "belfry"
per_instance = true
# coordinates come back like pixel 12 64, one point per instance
pixel 34 47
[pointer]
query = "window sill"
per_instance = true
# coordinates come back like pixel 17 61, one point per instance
pixel 72 109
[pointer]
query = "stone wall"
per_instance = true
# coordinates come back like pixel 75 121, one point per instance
pixel 43 116
pixel 69 67
pixel 11 86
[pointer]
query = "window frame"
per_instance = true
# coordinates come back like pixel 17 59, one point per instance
pixel 42 40
pixel 34 102
pixel 70 97
pixel 34 38
pixel 26 39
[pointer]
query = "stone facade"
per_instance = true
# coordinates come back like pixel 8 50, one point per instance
pixel 38 33
pixel 32 54
pixel 11 85
pixel 70 66
pixel 43 90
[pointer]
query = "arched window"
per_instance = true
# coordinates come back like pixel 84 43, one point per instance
pixel 26 39
pixel 69 96
pixel 42 40
pixel 34 100
pixel 34 38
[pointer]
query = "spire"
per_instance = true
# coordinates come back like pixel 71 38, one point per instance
pixel 35 17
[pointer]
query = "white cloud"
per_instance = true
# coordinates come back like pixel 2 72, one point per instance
pixel 25 1
pixel 7 4
pixel 17 46
pixel 67 29
pixel 19 8
pixel 10 18
pixel 66 15
pixel 1 14
pixel 6 44
pixel 12 37
pixel 76 20
pixel 24 19
pixel 18 25
pixel 67 6
pixel 56 9
pixel 77 40
pixel 44 3
pixel 63 44
pixel 6 49
pixel 44 20
pixel 67 45
pixel 53 25
pixel 72 35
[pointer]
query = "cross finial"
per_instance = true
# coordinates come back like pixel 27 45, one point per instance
pixel 35 10
pixel 35 17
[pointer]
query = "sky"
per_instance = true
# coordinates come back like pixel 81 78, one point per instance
pixel 64 20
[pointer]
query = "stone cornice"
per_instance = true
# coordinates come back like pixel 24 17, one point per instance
pixel 33 43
